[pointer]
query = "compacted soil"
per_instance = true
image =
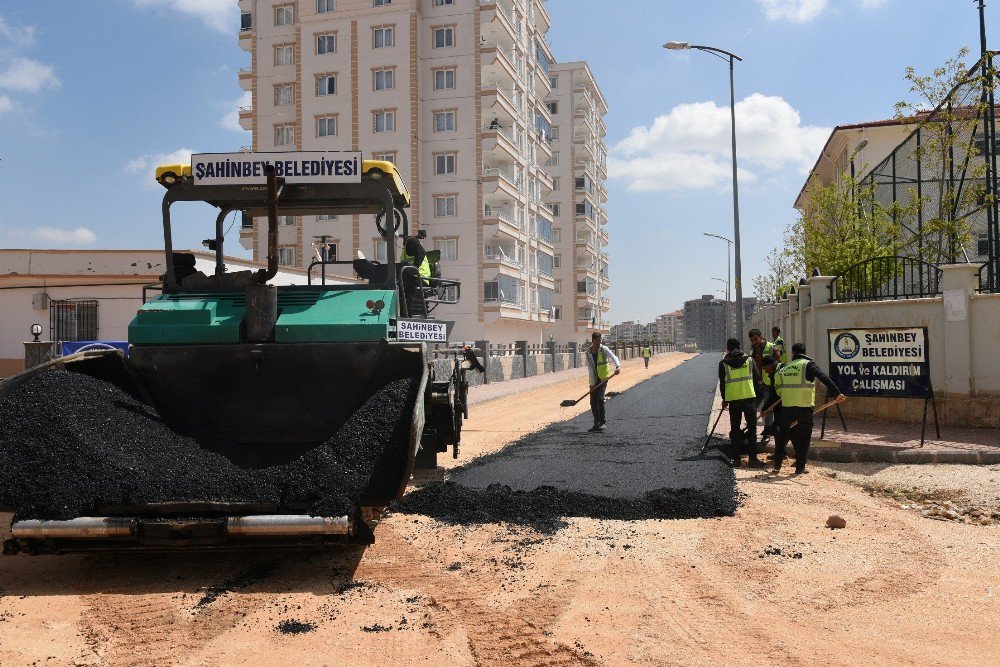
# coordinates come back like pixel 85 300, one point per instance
pixel 770 584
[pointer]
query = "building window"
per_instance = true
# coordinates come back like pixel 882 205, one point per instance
pixel 326 84
pixel 324 217
pixel 325 6
pixel 73 319
pixel 553 81
pixel 444 37
pixel 381 3
pixel 284 135
pixel 558 283
pixel 445 163
pixel 444 121
pixel 385 79
pixel 385 121
pixel 246 22
pixel 556 261
pixel 327 251
pixel 326 43
pixel 380 250
pixel 326 126
pixel 554 207
pixel 284 55
pixel 385 157
pixel 284 94
pixel 383 37
pixel 446 206
pixel 283 15
pixel 442 3
pixel 448 248
pixel 444 79
pixel 286 220
pixel 556 235
pixel 553 107
pixel 553 161
pixel 286 255
pixel 555 184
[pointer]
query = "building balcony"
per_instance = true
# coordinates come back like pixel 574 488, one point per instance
pixel 584 122
pixel 602 168
pixel 605 304
pixel 498 143
pixel 496 22
pixel 602 128
pixel 503 264
pixel 541 14
pixel 498 102
pixel 501 184
pixel 246 118
pixel 498 64
pixel 246 78
pixel 543 87
pixel 246 40
pixel 545 180
pixel 500 221
pixel 585 146
pixel 605 280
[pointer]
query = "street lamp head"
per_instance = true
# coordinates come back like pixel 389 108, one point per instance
pixel 677 46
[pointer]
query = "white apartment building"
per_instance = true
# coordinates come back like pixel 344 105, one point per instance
pixel 454 93
pixel 579 170
pixel 669 326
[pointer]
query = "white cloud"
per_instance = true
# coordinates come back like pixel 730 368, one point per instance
pixel 690 147
pixel 6 104
pixel 147 164
pixel 872 4
pixel 798 11
pixel 26 74
pixel 18 36
pixel 78 236
pixel 221 15
pixel 231 121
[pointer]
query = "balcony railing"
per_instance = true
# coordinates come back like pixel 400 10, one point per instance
pixel 506 173
pixel 502 214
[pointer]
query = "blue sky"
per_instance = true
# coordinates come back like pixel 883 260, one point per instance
pixel 92 94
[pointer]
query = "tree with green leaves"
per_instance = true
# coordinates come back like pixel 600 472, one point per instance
pixel 784 268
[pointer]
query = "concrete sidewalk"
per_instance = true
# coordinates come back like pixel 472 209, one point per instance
pixel 887 442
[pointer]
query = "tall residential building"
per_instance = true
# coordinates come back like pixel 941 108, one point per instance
pixel 669 327
pixel 454 92
pixel 578 166
pixel 705 322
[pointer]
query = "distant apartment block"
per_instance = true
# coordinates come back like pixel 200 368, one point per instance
pixel 492 138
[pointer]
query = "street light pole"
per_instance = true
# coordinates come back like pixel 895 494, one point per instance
pixel 729 275
pixel 731 58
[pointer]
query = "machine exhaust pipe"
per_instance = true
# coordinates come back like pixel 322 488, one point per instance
pixel 277 525
pixel 266 525
pixel 83 527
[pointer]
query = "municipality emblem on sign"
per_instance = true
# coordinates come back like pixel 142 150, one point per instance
pixel 847 346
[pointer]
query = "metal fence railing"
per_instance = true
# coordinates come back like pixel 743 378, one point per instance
pixel 886 278
pixel 937 183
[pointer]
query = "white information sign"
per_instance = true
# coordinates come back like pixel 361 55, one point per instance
pixel 955 305
pixel 422 331
pixel 295 167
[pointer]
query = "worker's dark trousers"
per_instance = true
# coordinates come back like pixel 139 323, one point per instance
pixel 738 411
pixel 597 404
pixel 800 435
pixel 770 399
pixel 646 359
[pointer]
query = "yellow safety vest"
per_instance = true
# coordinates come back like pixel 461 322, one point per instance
pixel 603 372
pixel 645 352
pixel 792 387
pixel 779 342
pixel 768 352
pixel 425 267
pixel 739 381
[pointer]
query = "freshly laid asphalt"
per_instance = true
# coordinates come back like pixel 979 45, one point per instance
pixel 646 464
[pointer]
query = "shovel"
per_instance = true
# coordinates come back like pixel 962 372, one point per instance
pixel 570 402
pixel 709 438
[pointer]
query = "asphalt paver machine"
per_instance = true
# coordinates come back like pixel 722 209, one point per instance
pixel 275 369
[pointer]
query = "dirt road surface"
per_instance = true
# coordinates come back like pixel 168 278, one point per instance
pixel 770 584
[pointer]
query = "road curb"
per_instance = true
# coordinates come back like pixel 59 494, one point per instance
pixel 903 456
pixel 835 452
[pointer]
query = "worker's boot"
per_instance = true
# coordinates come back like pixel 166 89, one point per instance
pixel 755 462
pixel 800 468
pixel 777 467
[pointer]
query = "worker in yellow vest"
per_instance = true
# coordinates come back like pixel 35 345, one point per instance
pixel 795 383
pixel 738 375
pixel 645 355
pixel 765 355
pixel 779 343
pixel 599 360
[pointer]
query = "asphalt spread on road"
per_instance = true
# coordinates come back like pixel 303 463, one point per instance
pixel 646 465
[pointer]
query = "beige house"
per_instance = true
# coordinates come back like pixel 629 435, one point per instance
pixel 85 294
pixel 456 93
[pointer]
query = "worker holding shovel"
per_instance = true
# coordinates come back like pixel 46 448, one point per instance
pixel 795 383
pixel 738 374
pixel 598 359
